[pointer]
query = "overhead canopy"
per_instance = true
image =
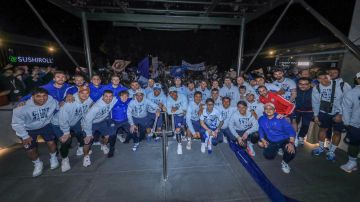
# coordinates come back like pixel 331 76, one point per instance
pixel 170 14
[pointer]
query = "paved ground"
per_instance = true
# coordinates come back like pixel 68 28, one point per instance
pixel 137 176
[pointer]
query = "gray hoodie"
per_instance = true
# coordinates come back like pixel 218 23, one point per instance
pixel 246 123
pixel 325 95
pixel 71 113
pixel 351 107
pixel 32 117
pixel 97 113
pixel 139 109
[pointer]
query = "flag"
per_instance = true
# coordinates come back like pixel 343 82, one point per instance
pixel 143 67
pixel 193 67
pixel 177 71
pixel 155 66
pixel 120 65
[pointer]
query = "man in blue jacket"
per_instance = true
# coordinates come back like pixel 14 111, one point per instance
pixel 120 120
pixel 276 133
pixel 303 109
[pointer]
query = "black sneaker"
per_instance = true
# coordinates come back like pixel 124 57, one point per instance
pixel 111 152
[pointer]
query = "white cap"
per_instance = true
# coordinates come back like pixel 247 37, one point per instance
pixel 269 104
pixel 172 89
pixel 139 91
pixel 357 75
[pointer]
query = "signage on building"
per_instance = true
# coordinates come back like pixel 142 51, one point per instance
pixel 30 59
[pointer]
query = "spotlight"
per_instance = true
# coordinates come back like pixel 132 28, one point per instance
pixel 51 49
pixel 272 52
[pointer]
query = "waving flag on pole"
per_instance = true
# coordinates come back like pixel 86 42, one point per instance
pixel 120 65
pixel 143 67
pixel 177 71
pixel 193 67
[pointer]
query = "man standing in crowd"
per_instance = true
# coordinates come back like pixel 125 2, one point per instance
pixel 303 109
pixel 231 91
pixel 190 91
pixel 79 81
pixel 160 100
pixel 244 127
pixel 211 121
pixel 351 118
pixel 204 91
pixel 150 87
pixel 176 105
pixel 115 85
pixel 137 114
pixel 96 88
pixel 240 81
pixel 260 81
pixel 216 97
pixel 193 114
pixel 255 107
pixel 286 84
pixel 67 119
pixel 120 120
pixel 226 112
pixel 33 119
pixel 96 120
pixel 326 103
pixel 134 86
pixel 179 87
pixel 276 134
pixel 282 106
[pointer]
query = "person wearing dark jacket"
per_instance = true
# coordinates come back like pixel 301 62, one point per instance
pixel 276 133
pixel 303 109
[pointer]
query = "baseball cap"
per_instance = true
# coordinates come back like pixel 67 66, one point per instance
pixel 157 86
pixel 250 93
pixel 358 75
pixel 139 91
pixel 172 89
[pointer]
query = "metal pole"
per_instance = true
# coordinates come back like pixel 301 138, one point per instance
pixel 350 45
pixel 46 26
pixel 164 148
pixel 269 34
pixel 86 42
pixel 241 45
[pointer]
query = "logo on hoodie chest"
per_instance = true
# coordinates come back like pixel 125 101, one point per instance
pixel 40 114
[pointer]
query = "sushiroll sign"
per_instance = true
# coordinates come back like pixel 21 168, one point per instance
pixel 31 60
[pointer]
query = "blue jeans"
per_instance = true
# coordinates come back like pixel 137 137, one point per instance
pixel 305 118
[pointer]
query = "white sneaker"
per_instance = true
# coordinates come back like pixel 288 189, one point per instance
pixel 136 146
pixel 296 143
pixel 80 151
pixel 280 152
pixel 38 169
pixel 179 149
pixel 188 145
pixel 209 147
pixel 105 149
pixel 285 167
pixel 301 141
pixel 121 137
pixel 250 150
pixel 203 147
pixel 225 140
pixel 65 164
pixel 96 143
pixel 54 163
pixel 349 166
pixel 86 161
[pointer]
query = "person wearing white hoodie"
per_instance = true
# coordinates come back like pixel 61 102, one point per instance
pixel 176 106
pixel 193 114
pixel 97 119
pixel 226 111
pixel 351 118
pixel 138 116
pixel 231 91
pixel 244 127
pixel 67 119
pixel 326 103
pixel 254 106
pixel 33 119
pixel 211 121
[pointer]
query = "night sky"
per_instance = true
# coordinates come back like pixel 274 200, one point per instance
pixel 215 47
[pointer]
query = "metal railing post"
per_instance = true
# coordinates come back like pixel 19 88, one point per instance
pixel 164 151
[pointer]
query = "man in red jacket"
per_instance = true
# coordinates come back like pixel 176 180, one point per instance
pixel 282 106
